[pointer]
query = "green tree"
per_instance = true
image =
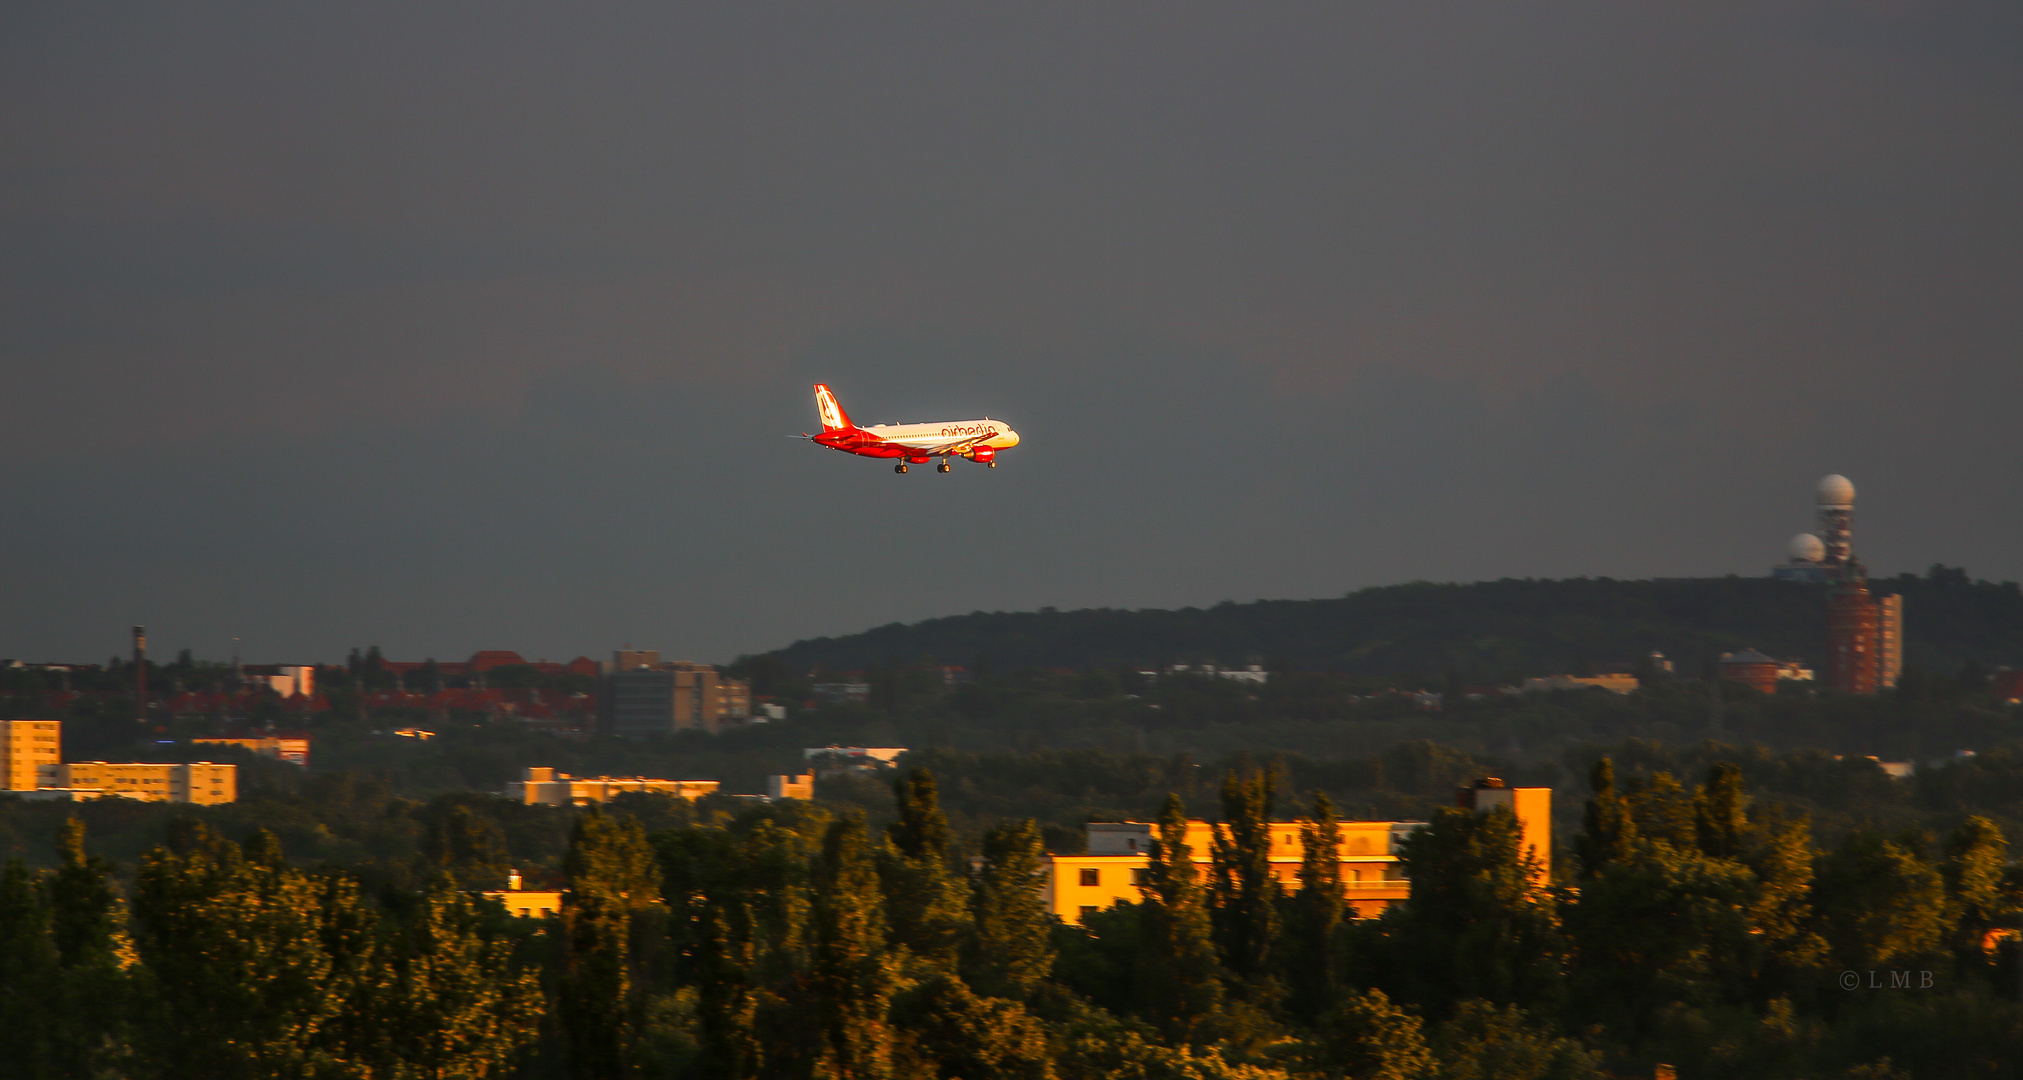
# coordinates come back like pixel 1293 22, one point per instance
pixel 740 913
pixel 1609 831
pixel 468 846
pixel 929 912
pixel 28 967
pixel 1318 912
pixel 1720 817
pixel 92 988
pixel 948 1031
pixel 1483 1042
pixel 1010 947
pixel 1179 979
pixel 1877 902
pixel 1663 810
pixel 1781 856
pixel 613 881
pixel 1976 857
pixel 1367 1037
pixel 1474 926
pixel 852 980
pixel 1665 925
pixel 239 979
pixel 1244 891
pixel 367 1012
pixel 459 1009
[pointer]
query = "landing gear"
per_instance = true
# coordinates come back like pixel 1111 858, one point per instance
pixel 990 464
pixel 943 467
pixel 899 468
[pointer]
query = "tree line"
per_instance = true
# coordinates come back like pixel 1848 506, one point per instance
pixel 1687 926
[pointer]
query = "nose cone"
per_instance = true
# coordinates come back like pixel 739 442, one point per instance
pixel 1008 439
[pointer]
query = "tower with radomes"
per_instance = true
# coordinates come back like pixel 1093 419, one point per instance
pixel 1864 633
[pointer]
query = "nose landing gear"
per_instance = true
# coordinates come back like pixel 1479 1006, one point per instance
pixel 899 468
pixel 943 467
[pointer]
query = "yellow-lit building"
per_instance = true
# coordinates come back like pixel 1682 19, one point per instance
pixel 545 786
pixel 29 753
pixel 1615 682
pixel 1081 885
pixel 791 786
pixel 291 748
pixel 527 904
pixel 1372 875
pixel 199 782
pixel 1533 807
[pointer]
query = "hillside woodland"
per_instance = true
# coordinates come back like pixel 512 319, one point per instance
pixel 1482 631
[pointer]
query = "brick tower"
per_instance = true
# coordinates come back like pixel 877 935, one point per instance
pixel 1852 618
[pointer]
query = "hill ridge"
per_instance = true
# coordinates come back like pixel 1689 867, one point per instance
pixel 1485 629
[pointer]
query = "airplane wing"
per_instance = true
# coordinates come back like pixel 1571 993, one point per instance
pixel 956 447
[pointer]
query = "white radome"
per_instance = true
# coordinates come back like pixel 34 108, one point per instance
pixel 1836 490
pixel 1806 547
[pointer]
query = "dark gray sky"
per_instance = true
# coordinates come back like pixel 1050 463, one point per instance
pixel 445 327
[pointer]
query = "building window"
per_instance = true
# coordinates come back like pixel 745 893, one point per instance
pixel 1138 876
pixel 1091 876
pixel 1088 910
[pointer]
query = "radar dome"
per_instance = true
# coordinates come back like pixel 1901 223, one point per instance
pixel 1806 547
pixel 1836 490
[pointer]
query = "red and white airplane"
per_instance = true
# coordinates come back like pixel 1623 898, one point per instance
pixel 917 444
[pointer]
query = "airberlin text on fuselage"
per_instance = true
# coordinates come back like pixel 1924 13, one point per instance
pixel 969 429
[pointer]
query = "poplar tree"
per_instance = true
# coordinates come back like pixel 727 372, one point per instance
pixel 612 879
pixel 1608 830
pixel 1318 912
pixel 460 1009
pixel 741 907
pixel 1244 890
pixel 1474 926
pixel 363 1025
pixel 1720 820
pixel 1781 857
pixel 1179 978
pixel 1663 810
pixel 88 926
pixel 929 915
pixel 28 967
pixel 1663 925
pixel 852 980
pixel 1878 902
pixel 1976 856
pixel 1010 947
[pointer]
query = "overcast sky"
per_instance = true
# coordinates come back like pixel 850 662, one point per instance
pixel 447 327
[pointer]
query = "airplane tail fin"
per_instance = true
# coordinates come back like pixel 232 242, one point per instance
pixel 833 416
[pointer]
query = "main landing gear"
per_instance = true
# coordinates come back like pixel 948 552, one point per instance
pixel 899 468
pixel 943 467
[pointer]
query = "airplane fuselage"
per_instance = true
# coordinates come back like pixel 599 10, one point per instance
pixel 918 441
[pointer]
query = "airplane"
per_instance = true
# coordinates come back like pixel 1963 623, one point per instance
pixel 917 444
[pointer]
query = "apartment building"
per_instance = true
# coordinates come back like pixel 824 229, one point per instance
pixel 289 746
pixel 29 753
pixel 644 695
pixel 199 782
pixel 544 786
pixel 1372 875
